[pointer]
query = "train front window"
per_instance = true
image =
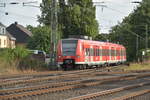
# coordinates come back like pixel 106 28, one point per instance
pixel 69 47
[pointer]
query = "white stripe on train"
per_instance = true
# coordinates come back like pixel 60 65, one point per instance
pixel 98 62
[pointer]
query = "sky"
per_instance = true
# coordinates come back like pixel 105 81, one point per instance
pixel 108 16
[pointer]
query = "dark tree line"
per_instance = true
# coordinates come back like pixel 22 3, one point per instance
pixel 77 17
pixel 133 26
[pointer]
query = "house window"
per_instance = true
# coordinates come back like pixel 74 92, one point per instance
pixel 0 30
pixel 0 42
pixel 4 42
pixel 3 30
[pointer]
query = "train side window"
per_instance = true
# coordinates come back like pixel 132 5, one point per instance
pixel 120 52
pixel 86 51
pixel 100 52
pixel 90 51
pixel 107 52
pixel 117 52
pixel 103 52
pixel 94 52
pixel 112 52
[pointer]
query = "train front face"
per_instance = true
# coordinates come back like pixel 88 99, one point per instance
pixel 67 56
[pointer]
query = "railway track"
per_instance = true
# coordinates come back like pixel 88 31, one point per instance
pixel 46 78
pixel 111 91
pixel 16 77
pixel 135 95
pixel 60 84
pixel 72 76
pixel 61 87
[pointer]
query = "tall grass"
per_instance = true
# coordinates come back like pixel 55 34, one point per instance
pixel 18 59
pixel 10 58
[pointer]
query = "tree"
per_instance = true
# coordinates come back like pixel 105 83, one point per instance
pixel 102 37
pixel 77 17
pixel 132 26
pixel 45 16
pixel 40 39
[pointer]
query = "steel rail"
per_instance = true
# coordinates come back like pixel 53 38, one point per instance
pixel 56 84
pixel 39 74
pixel 57 89
pixel 39 79
pixel 72 75
pixel 53 85
pixel 133 95
pixel 107 92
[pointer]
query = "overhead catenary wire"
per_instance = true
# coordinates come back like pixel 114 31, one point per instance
pixel 16 14
pixel 3 4
pixel 116 10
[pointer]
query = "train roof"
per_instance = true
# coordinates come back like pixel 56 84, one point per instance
pixel 93 42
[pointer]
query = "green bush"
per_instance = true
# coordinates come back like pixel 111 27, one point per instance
pixel 12 57
pixel 31 63
pixel 20 58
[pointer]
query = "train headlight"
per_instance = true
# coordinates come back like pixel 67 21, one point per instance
pixel 59 56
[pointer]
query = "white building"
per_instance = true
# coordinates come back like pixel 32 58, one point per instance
pixel 6 40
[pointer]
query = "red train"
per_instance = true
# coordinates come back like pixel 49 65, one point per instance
pixel 80 53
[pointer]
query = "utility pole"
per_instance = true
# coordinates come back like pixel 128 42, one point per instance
pixel 53 33
pixel 137 46
pixel 146 38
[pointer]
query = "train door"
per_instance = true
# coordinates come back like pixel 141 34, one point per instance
pixel 91 55
pixel 87 53
pixel 115 54
pixel 121 54
pixel 118 54
pixel 95 58
pixel 103 54
pixel 107 54
pixel 100 53
pixel 112 53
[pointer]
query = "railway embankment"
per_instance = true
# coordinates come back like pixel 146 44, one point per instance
pixel 89 84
